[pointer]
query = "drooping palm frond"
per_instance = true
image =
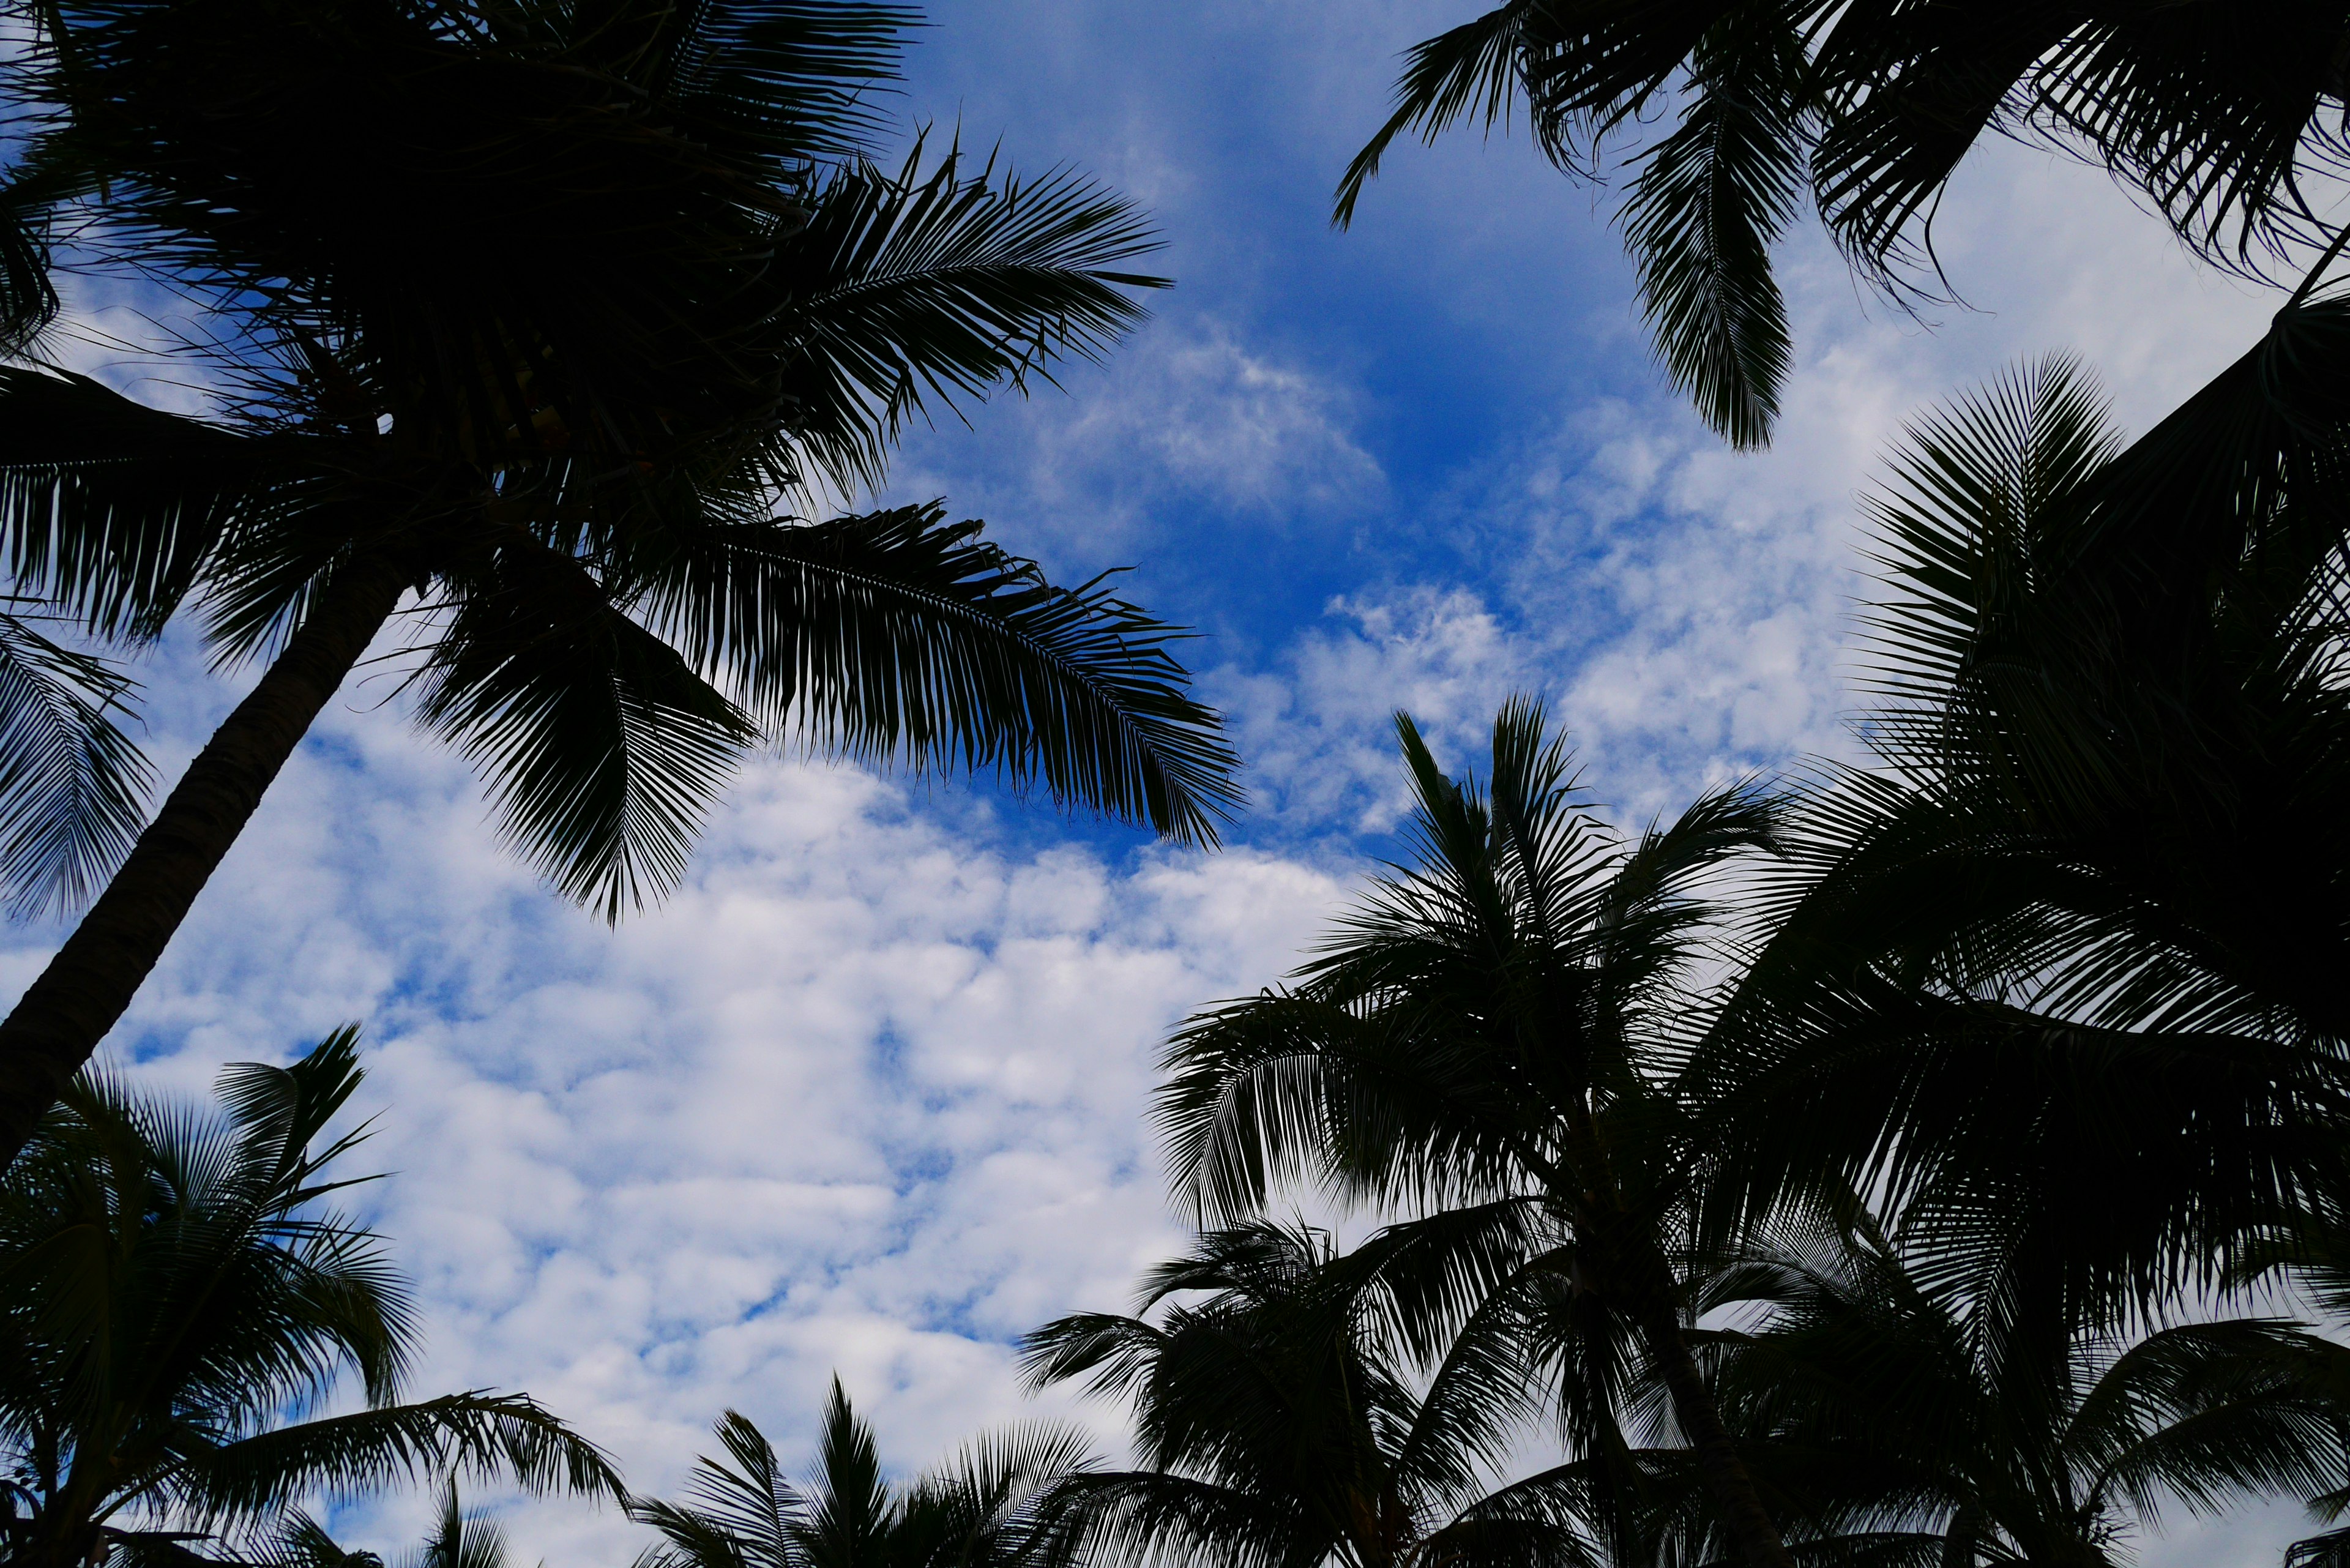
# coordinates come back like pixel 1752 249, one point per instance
pixel 899 636
pixel 1700 217
pixel 602 748
pixel 111 509
pixel 73 785
pixel 2220 116
pixel 1468 72
pixel 483 1434
pixel 2227 118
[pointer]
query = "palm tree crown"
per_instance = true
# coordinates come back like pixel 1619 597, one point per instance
pixel 1281 1425
pixel 2061 983
pixel 1488 1036
pixel 1000 1503
pixel 1913 1427
pixel 175 1300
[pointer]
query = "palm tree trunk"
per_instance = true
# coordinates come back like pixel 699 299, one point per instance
pixel 69 1009
pixel 1726 1475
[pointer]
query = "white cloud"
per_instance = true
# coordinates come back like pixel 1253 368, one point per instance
pixel 1192 424
pixel 867 1094
pixel 1316 729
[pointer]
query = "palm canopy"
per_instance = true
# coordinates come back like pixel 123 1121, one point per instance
pixel 178 1303
pixel 1488 1036
pixel 1281 1422
pixel 1912 1433
pixel 1000 1502
pixel 2060 983
pixel 2221 114
pixel 542 317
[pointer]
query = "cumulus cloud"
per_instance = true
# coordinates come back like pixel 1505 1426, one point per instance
pixel 1316 727
pixel 1193 424
pixel 867 1094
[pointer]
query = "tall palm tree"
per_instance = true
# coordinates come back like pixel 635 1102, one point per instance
pixel 1000 1502
pixel 2061 983
pixel 535 318
pixel 176 1305
pixel 1281 1425
pixel 1926 1436
pixel 1489 1031
pixel 2219 113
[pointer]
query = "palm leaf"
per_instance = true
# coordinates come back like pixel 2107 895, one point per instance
pixel 921 290
pixel 898 636
pixel 603 747
pixel 73 786
pixel 1700 217
pixel 111 508
pixel 480 1433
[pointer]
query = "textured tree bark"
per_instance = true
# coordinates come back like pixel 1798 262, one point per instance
pixel 1726 1475
pixel 86 987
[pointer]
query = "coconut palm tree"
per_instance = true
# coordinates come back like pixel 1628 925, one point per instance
pixel 2048 982
pixel 1487 1032
pixel 998 1503
pixel 537 319
pixel 1280 1423
pixel 1924 1434
pixel 2217 113
pixel 177 1306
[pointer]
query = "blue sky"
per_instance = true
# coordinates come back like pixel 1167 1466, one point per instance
pixel 868 1094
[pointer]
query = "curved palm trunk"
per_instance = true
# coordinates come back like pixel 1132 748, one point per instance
pixel 86 987
pixel 1726 1475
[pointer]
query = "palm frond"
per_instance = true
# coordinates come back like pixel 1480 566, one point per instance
pixel 486 1435
pixel 1700 218
pixel 603 747
pixel 73 786
pixel 1468 72
pixel 899 636
pixel 111 508
pixel 916 290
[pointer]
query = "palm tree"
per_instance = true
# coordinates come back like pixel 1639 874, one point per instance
pixel 2217 112
pixel 533 318
pixel 1924 1434
pixel 1487 1034
pixel 2061 983
pixel 1280 1424
pixel 999 1503
pixel 176 1305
